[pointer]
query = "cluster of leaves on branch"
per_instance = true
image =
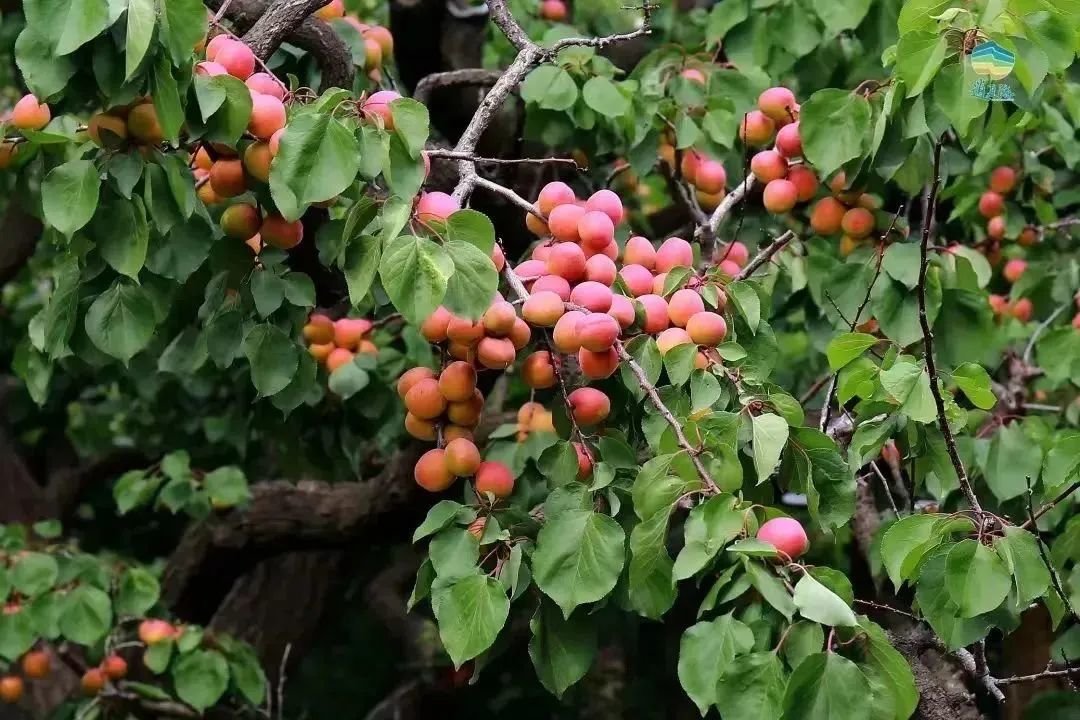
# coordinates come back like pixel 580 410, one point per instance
pixel 844 232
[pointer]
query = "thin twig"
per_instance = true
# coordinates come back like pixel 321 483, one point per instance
pixel 508 194
pixel 282 680
pixel 928 336
pixel 885 486
pixel 729 202
pixel 1054 577
pixel 1068 672
pixel 221 11
pixel 766 254
pixel 454 155
pixel 1030 347
pixel 1033 516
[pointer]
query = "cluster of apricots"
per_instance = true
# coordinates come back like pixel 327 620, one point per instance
pixel 1003 180
pixel 336 342
pixel 36 664
pixel 1021 309
pixel 378 42
pixel 847 212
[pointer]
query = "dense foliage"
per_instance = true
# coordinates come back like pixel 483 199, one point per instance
pixel 762 335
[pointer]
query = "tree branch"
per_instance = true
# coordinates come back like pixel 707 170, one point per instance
pixel 766 254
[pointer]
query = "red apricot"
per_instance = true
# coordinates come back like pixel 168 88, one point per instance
pixel 756 128
pixel 496 353
pixel 598 365
pixel 670 338
pixel 114 667
pixel 379 104
pixel 241 221
pixel 1022 309
pixel 607 202
pixel 637 279
pixel 592 295
pixel 780 196
pixel 29 114
pixel 674 252
pixel 655 310
pixel 1014 269
pixel 565 335
pixel 237 59
pixel 567 260
pixel 858 222
pixel 280 233
pixel 786 535
pixel 1003 180
pixel 462 457
pixel 768 165
pixel 693 75
pixel 778 103
pixel 431 471
pixel 682 305
pixel 267 116
pixel 597 332
pixel 338 357
pixel 152 632
pixel 595 229
pixel 589 406
pixel 495 478
pixel 435 206
pixel 805 181
pixel 266 84
pixel 709 176
pixel 991 204
pixel 563 222
pixel 788 141
pixel 995 227
pixel 639 251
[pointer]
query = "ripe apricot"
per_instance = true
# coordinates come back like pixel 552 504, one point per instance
pixel 858 222
pixel 210 68
pixel 622 310
pixel 382 37
pixel 497 257
pixel 584 462
pixel 768 165
pixel 674 252
pixel 595 229
pixel 338 357
pixel 29 114
pixel 1022 309
pixel 275 142
pixel 92 682
pixel 729 268
pixel 35 664
pixel 637 279
pixel 107 131
pixel 1003 180
pixel 241 221
pixel 788 141
pixel 348 332
pixel 538 370
pixel 237 58
pixel 991 204
pixel 707 328
pixel 827 217
pixel 735 251
pixel 805 181
pixel 567 260
pixel 592 295
pixel 598 365
pixel 639 251
pixel 693 75
pixel 143 125
pixel 420 429
pixel 425 400
pixel 552 283
pixel 709 176
pixel 227 177
pixel 543 309
pixel 589 406
pixel 756 128
pixel 607 202
pixel 1014 269
pixel 495 478
pixel 257 159
pixel 499 319
pixel 453 432
pixel 266 84
pixel 431 471
pixel 436 206
pixel 11 688
pixel 563 221
pixel 597 332
pixel 114 667
pixel 786 535
pixel 655 311
pixel 565 335
pixel 462 457
pixel 466 413
pixel 848 245
pixel 554 194
pixel 372 55
pixel 995 227
pixel 379 104
pixel 527 412
pixel 682 305
pixel 671 338
pixel 658 284
pixel 601 269
pixel 215 44
pixel 152 632
pixel 780 196
pixel 536 225
pixel 278 232
pixel 435 325
pixel 496 353
pixel 457 381
pixel 778 103
pixel 331 10
pixel 532 269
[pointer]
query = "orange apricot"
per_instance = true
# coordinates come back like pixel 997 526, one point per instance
pixel 858 222
pixel 706 328
pixel 462 457
pixel 538 370
pixel 598 365
pixel 589 406
pixel 431 471
pixel 412 376
pixel 424 400
pixel 543 309
pixel 457 381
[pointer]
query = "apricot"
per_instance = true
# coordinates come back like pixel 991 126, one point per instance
pixel 499 319
pixel 995 227
pixel 554 194
pixel 227 177
pixel 607 202
pixel 611 251
pixel 639 251
pixel 454 432
pixel 553 283
pixel 598 365
pixel 382 37
pixel 495 478
pixel 462 457
pixel 466 332
pixel 1028 236
pixel 372 55
pixel 1003 180
pixel 637 279
pixel 266 84
pixel 592 295
pixel 786 535
pixel 216 43
pixel 107 131
pixel 338 357
pixel 730 268
pixel 278 232
pixel 29 114
pixel 768 165
pixel 682 304
pixel 709 176
pixel 367 347
pixel 538 370
pixel 8 150
pixel 152 632
pixel 420 429
pixel 693 75
pixel 92 682
pixel 435 206
pixel 379 104
pixel 788 141
pixel 622 310
pixel 838 183
pixel 848 245
pixel 672 253
pixel 348 332
pixel 267 116
pixel 275 142
pixel 11 688
pixel 858 222
pixel 531 269
pixel 536 225
pixel 1014 269
pixel 425 400
pixel 541 252
pixel 670 338
pixel 707 328
pixel 780 196
pixel 496 353
pixel 601 269
pixel 35 664
pixel 257 159
pixel 991 204
pixel 241 221
pixel 331 10
pixel 595 229
pixel 805 181
pixel 584 462
pixel 827 217
pixel 210 68
pixel 114 667
pixel 565 335
pixel 756 128
pixel 412 376
pixel 563 222
pixel 431 471
pixel 1022 309
pixel 434 326
pixel 778 103
pixel 597 332
pixel 143 125
pixel 655 310
pixel 567 260
pixel 658 284
pixel 237 59
pixel 735 251
pixel 998 303
pixel 589 406
pixel 543 308
pixel 209 197
pixel 457 381
pixel 528 411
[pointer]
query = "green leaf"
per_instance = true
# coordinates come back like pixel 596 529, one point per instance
pixel 120 322
pixel 888 672
pixel 770 434
pixel 975 382
pixel 650 587
pixel 44 73
pixel 454 553
pixel 1012 458
pixel 34 573
pixel 183 23
pixel 227 486
pixel 167 105
pixel 201 678
pixel 835 128
pixel 918 57
pixel 820 604
pixel 902 262
pixel 440 516
pixel 909 385
pixel 561 649
pixel 410 124
pixel 840 15
pixel 705 651
pixel 752 547
pixel 122 235
pixel 273 358
pixel 87 615
pixel 831 488
pixel 723 17
pixel 747 301
pixel 17 634
pixel 141 16
pixel 845 348
pixel 362 256
pixel 69 195
pixel 138 591
pixel 318 159
pixel 679 363
pixel 1020 551
pixel 751 687
pixel 709 527
pixel 77 22
pixel 771 589
pixel 550 87
pixel 415 272
pixel 578 558
pixel 604 97
pixel 905 543
pixel 827 686
pixel 472 227
pixel 473 283
pixel 247 673
pixel 157 657
pixel 470 613
pixel 976 578
pixel 404 174
pixel 558 463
